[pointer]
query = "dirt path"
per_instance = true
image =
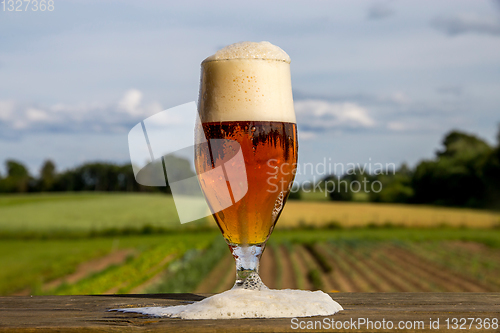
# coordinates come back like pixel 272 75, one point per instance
pixel 156 278
pixel 450 281
pixel 404 273
pixel 388 280
pixel 287 276
pixel 312 264
pixel 363 276
pixel 485 261
pixel 157 272
pixel 421 280
pixel 376 277
pixel 268 270
pixel 341 280
pixel 472 247
pixel 90 267
pixel 213 279
pixel 227 278
pixel 301 268
pixel 222 277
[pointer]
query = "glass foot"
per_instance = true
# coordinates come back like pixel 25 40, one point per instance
pixel 252 282
pixel 247 260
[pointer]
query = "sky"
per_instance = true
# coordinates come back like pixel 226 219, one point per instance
pixel 373 81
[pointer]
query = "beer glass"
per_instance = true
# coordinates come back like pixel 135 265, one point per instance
pixel 247 165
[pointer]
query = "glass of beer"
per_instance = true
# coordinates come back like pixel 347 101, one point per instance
pixel 248 122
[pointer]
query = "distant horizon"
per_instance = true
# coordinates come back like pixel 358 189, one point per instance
pixel 371 79
pixel 369 164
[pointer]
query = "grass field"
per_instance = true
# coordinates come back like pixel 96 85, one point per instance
pixel 66 213
pixel 45 266
pixel 68 255
pixel 84 212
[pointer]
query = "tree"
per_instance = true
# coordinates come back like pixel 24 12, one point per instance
pixel 463 146
pixel 295 192
pixel 100 176
pixel 396 187
pixel 47 176
pixel 17 179
pixel 491 175
pixel 90 177
pixel 498 136
pixel 338 188
pixel 455 177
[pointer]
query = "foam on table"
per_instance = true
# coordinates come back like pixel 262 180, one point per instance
pixel 244 303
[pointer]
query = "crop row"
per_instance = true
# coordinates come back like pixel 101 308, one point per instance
pixel 200 262
pixel 365 266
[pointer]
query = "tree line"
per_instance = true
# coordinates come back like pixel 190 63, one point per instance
pixel 96 176
pixel 465 172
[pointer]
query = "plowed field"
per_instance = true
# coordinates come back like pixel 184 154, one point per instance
pixel 370 266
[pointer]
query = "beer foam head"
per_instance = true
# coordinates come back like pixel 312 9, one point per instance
pixel 246 82
pixel 250 50
pixel 244 303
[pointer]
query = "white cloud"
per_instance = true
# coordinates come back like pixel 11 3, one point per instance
pixel 307 135
pixel 118 117
pixel 399 98
pixel 396 126
pixel 412 125
pixel 36 115
pixel 321 115
pixel 6 109
pixel 130 102
pixel 19 124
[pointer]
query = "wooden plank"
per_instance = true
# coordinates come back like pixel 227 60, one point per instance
pixel 89 313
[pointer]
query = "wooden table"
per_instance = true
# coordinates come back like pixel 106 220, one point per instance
pixel 89 313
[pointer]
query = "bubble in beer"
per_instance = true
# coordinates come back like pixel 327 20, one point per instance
pixel 278 206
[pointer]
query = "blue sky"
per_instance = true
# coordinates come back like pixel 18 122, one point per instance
pixel 373 81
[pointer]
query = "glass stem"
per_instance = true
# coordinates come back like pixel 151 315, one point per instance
pixel 247 260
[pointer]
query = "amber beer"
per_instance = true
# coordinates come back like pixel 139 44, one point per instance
pixel 269 150
pixel 246 96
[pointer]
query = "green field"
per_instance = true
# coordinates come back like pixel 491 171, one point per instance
pixel 131 243
pixel 30 267
pixel 89 212
pixel 86 212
